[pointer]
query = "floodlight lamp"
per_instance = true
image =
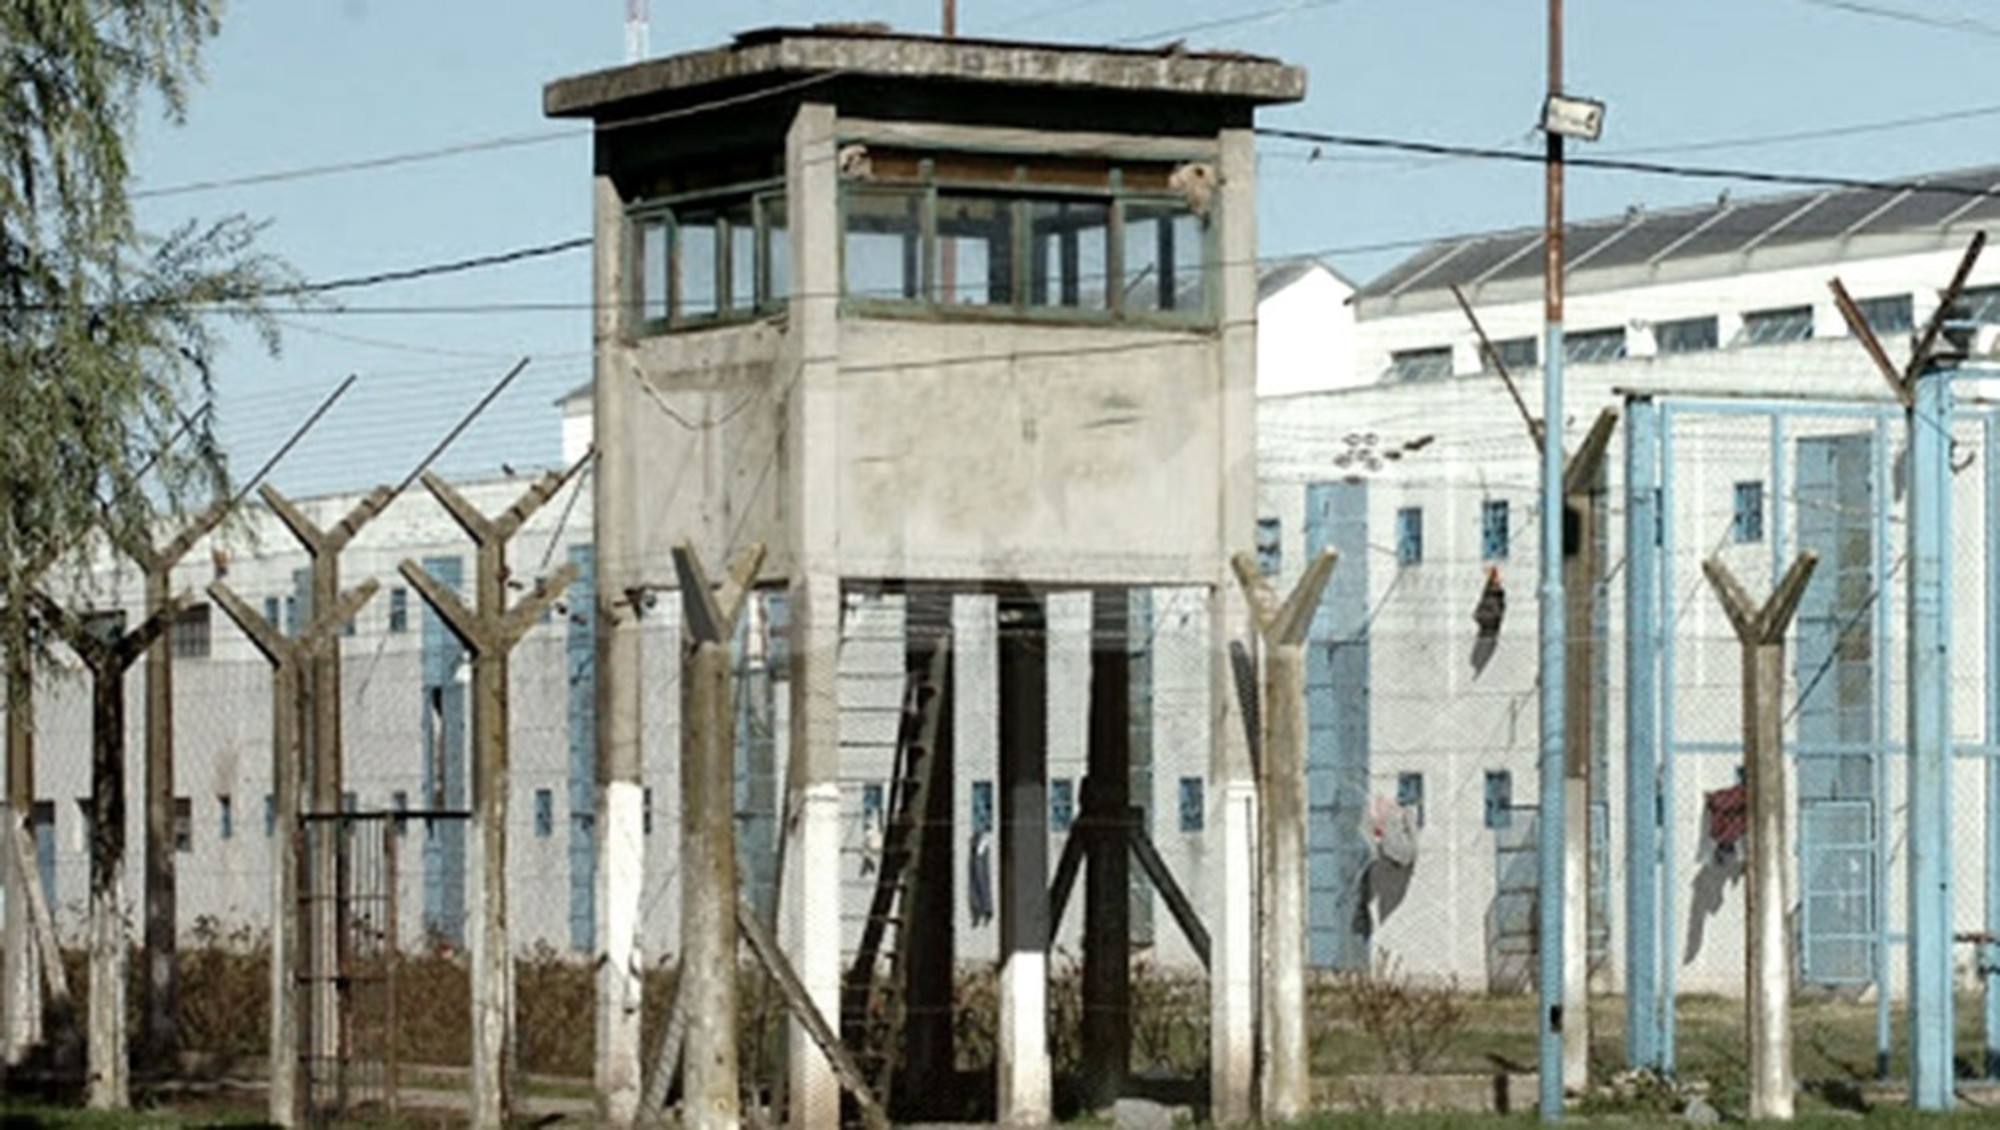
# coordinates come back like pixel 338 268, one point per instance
pixel 1567 116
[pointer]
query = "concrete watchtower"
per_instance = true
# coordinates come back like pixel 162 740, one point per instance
pixel 935 316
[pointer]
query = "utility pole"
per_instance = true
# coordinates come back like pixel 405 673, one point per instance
pixel 291 662
pixel 1563 1047
pixel 1550 1060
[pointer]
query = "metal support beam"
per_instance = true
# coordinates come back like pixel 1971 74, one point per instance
pixel 1929 740
pixel 1761 631
pixel 1989 949
pixel 1583 573
pixel 1924 388
pixel 1642 734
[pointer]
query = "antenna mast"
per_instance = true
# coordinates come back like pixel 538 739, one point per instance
pixel 638 33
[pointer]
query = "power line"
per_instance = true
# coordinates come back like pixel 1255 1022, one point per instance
pixel 1822 134
pixel 1626 165
pixel 1905 15
pixel 1276 13
pixel 433 270
pixel 438 153
pixel 363 164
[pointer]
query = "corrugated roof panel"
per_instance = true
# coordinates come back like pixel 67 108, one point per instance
pixel 1401 274
pixel 1831 218
pixel 1653 235
pixel 1979 211
pixel 1585 250
pixel 1926 209
pixel 1495 257
pixel 1744 223
pixel 1724 228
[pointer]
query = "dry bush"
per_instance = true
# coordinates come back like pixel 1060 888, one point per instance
pixel 225 993
pixel 1412 1023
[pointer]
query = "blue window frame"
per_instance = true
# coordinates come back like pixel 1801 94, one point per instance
pixel 871 801
pixel 271 611
pixel 1495 529
pixel 1588 346
pixel 1769 327
pixel 1410 535
pixel 1746 523
pixel 1499 798
pixel 1194 812
pixel 1420 364
pixel 1270 546
pixel 545 814
pixel 225 812
pixel 1981 303
pixel 1518 354
pixel 399 801
pixel 982 806
pixel 1062 804
pixel 1888 313
pixel 1410 793
pixel 1687 335
pixel 399 610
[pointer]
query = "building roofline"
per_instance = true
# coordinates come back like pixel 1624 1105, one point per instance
pixel 1697 240
pixel 872 51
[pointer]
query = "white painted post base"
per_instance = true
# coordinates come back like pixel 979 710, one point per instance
pixel 812 895
pixel 621 877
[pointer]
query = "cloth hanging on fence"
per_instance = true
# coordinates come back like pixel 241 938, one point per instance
pixel 1392 831
pixel 1727 818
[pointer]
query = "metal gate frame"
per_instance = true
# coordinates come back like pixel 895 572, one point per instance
pixel 1652 590
pixel 355 1067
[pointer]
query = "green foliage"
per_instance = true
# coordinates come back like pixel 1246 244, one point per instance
pixel 108 336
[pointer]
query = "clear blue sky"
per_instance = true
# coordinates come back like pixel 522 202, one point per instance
pixel 300 84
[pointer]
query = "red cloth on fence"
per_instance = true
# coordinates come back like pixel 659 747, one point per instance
pixel 1728 815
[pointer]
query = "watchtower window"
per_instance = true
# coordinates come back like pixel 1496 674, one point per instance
pixel 1047 238
pixel 715 257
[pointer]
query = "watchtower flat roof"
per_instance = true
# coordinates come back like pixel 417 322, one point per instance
pixel 870 51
